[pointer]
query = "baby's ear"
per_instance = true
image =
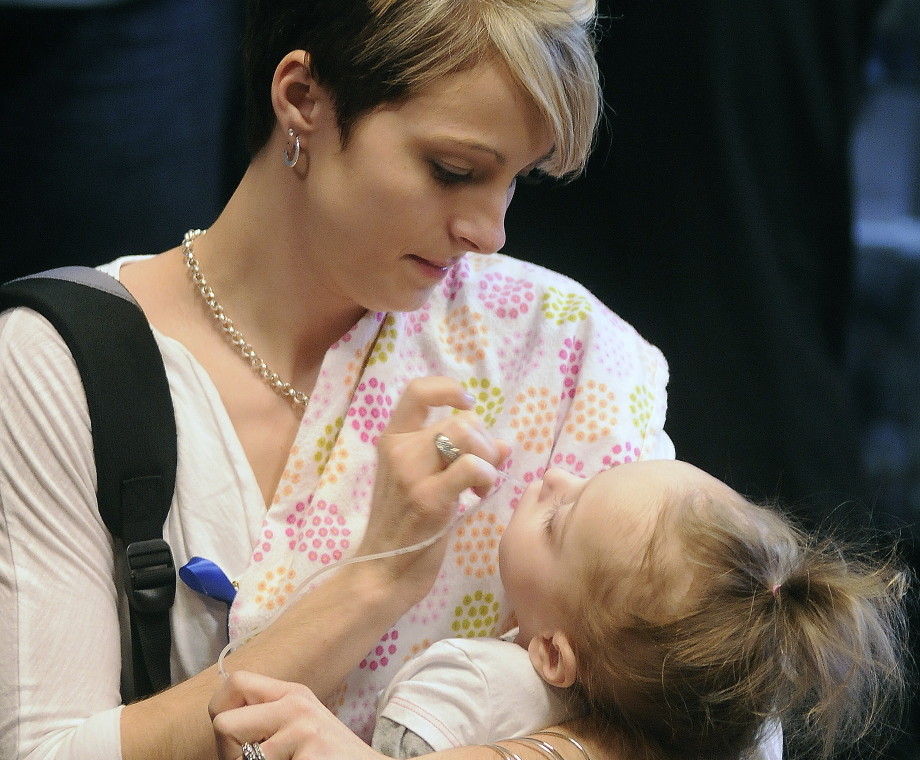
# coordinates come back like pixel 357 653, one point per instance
pixel 553 659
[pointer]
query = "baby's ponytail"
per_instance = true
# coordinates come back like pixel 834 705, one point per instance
pixel 776 626
pixel 840 636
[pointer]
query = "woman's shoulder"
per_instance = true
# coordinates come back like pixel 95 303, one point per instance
pixel 27 342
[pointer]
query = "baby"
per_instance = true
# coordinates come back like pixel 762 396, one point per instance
pixel 684 620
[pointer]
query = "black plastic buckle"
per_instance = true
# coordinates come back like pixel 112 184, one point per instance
pixel 150 575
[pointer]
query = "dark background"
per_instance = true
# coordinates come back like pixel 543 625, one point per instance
pixel 752 207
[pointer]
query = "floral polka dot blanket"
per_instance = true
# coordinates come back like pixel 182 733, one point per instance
pixel 553 371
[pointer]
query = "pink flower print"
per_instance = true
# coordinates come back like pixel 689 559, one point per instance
pixel 415 321
pixel 519 352
pixel 571 356
pixel 433 606
pixel 455 280
pixel 264 545
pixel 326 537
pixel 370 410
pixel 622 453
pixel 568 462
pixel 506 297
pixel 528 478
pixel 380 655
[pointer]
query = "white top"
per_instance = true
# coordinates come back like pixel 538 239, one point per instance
pixel 460 692
pixel 60 653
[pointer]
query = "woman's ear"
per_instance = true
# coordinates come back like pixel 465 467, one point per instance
pixel 553 659
pixel 298 100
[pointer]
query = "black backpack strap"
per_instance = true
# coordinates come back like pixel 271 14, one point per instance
pixel 134 440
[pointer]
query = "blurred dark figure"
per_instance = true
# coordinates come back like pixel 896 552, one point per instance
pixel 100 152
pixel 716 216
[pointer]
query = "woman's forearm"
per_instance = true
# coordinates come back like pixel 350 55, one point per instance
pixel 320 640
pixel 317 642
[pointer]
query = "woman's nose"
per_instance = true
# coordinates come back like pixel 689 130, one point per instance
pixel 481 228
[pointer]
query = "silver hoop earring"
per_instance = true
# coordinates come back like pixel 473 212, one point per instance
pixel 290 160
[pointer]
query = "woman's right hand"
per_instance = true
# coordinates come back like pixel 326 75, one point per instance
pixel 416 491
pixel 286 719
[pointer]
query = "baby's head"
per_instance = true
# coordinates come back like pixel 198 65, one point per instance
pixel 685 616
pixel 578 547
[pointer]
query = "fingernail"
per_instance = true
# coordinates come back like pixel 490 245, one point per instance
pixel 470 398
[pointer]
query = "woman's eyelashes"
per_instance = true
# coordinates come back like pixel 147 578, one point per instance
pixel 448 175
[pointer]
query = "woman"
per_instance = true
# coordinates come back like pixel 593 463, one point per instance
pixel 387 137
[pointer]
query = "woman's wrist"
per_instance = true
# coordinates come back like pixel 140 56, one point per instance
pixel 382 595
pixel 319 638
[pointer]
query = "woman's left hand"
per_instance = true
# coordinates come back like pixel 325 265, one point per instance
pixel 416 491
pixel 286 719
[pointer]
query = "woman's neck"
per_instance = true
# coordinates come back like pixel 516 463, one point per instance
pixel 261 267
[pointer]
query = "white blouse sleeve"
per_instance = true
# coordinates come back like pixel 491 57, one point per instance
pixel 60 650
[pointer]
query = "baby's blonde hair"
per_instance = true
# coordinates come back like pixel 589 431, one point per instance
pixel 777 625
pixel 370 53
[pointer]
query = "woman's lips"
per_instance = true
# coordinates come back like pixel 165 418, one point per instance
pixel 430 268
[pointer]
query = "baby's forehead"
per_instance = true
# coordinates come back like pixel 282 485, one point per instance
pixel 618 508
pixel 660 478
pixel 637 501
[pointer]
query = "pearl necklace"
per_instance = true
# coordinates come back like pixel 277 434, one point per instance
pixel 235 337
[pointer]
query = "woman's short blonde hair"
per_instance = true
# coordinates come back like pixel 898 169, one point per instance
pixel 370 53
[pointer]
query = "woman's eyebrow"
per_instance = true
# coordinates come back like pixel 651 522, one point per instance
pixel 472 144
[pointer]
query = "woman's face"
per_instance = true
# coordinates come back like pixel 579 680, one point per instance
pixel 417 186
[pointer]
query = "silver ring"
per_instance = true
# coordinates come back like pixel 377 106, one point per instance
pixel 446 448
pixel 253 751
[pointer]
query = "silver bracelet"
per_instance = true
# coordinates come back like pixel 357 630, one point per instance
pixel 570 739
pixel 504 752
pixel 545 747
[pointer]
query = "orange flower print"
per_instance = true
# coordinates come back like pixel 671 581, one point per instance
pixel 465 335
pixel 593 412
pixel 476 544
pixel 533 416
